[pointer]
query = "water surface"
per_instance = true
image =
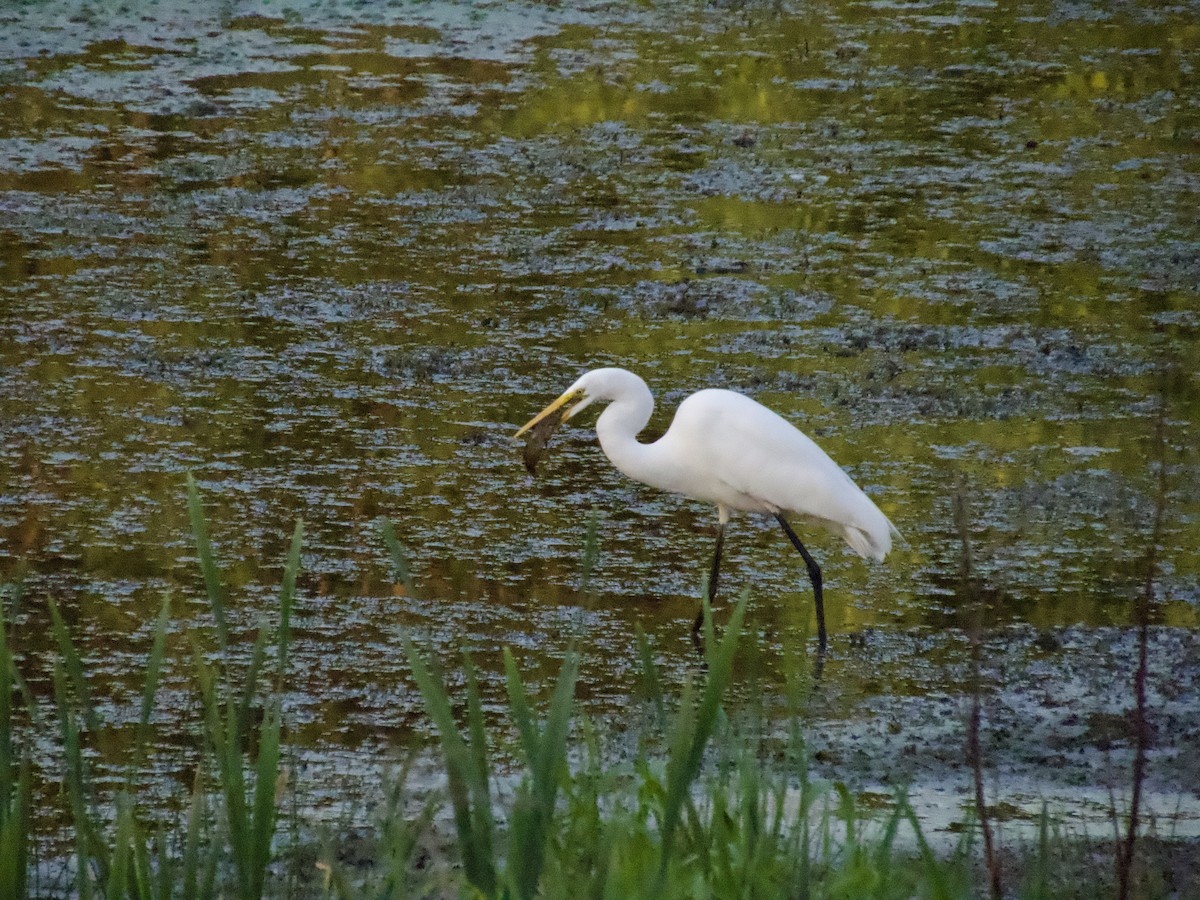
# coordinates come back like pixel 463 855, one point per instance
pixel 328 256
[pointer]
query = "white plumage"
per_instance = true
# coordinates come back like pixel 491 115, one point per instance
pixel 729 450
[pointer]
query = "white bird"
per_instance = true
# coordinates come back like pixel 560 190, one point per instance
pixel 726 449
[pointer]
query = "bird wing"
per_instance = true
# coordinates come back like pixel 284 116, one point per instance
pixel 775 467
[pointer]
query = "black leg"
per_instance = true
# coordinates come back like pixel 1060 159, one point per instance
pixel 814 575
pixel 713 575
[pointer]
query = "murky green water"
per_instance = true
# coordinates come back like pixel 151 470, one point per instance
pixel 329 256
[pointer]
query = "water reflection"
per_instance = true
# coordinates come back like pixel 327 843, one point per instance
pixel 328 264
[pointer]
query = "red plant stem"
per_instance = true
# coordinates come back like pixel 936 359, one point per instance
pixel 973 750
pixel 1140 725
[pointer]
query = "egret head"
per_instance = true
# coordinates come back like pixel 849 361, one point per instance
pixel 577 393
pixel 599 384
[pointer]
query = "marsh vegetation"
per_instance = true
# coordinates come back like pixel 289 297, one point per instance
pixel 327 256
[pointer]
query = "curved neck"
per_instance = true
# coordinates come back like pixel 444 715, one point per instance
pixel 618 427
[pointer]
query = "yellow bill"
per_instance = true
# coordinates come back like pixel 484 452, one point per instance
pixel 550 410
pixel 544 424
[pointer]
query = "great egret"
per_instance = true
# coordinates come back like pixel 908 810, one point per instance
pixel 727 449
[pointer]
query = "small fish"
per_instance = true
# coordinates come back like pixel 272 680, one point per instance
pixel 539 435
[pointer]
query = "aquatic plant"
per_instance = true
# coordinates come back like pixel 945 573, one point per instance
pixel 708 803
pixel 15 778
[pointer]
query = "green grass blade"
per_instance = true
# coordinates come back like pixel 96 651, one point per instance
pixel 222 723
pixel 533 813
pixel 197 815
pixel 207 887
pixel 399 558
pixel 475 721
pixel 15 782
pixel 437 704
pixel 527 843
pixel 120 874
pixel 847 813
pixel 287 596
pixel 1040 876
pixel 233 790
pixel 939 889
pixel 22 688
pixel 262 823
pixel 7 770
pixel 88 844
pixel 74 667
pixel 15 786
pixel 683 726
pixel 14 801
pixel 208 563
pixel 483 823
pixel 166 881
pixel 149 691
pixel 520 710
pixel 465 783
pixel 884 852
pixel 552 756
pixel 804 851
pixel 14 833
pixel 258 656
pixel 651 683
pixel 399 836
pixel 143 883
pixel 687 751
pixel 752 817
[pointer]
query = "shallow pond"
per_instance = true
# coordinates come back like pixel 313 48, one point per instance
pixel 328 256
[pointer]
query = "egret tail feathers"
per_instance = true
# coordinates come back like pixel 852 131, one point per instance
pixel 874 543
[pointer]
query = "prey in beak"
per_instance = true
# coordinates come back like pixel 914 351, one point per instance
pixel 542 426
